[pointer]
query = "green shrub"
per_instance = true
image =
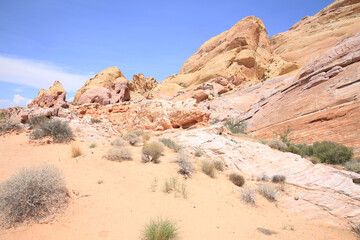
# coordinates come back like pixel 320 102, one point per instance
pixel 208 167
pixel 307 150
pixel 119 154
pixel 237 179
pixel 132 139
pixel 171 144
pixel 32 194
pixel 9 126
pixel 278 179
pixel 314 160
pixel 353 165
pixel 160 230
pixel 277 144
pixel 138 132
pixel 94 120
pixel 219 165
pixel 57 129
pixel 294 149
pixel 333 153
pixel 93 145
pixel 268 192
pixel 235 126
pixel 152 151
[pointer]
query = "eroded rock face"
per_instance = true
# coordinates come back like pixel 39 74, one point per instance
pixel 120 93
pixel 322 192
pixel 105 79
pixel 142 84
pixel 96 95
pixel 53 97
pixel 314 35
pixel 243 52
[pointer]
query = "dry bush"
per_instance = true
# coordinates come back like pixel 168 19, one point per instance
pixel 314 159
pixel 278 144
pixel 353 165
pixel 248 195
pixel 263 177
pixel 356 230
pixel 152 151
pixel 160 230
pixel 118 142
pixel 219 165
pixel 9 126
pixel 235 126
pixel 138 132
pixel 57 129
pixel 268 192
pixel 198 152
pixel 171 144
pixel 278 179
pixel 145 137
pixel 32 194
pixel 208 167
pixel 132 139
pixel 119 154
pixel 37 120
pixel 95 120
pixel 75 150
pixel 186 167
pixel 237 179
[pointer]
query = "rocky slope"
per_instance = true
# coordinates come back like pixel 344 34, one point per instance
pixel 314 35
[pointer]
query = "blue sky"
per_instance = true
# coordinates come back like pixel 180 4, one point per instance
pixel 70 41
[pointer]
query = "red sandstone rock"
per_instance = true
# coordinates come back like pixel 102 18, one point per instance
pixel 96 95
pixel 53 97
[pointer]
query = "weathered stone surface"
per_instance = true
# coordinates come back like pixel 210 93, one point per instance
pixel 322 191
pixel 96 95
pixel 142 84
pixel 243 52
pixel 120 93
pixel 105 79
pixel 199 96
pixel 22 115
pixel 314 35
pixel 53 97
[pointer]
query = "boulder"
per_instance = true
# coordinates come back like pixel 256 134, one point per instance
pixel 142 84
pixel 199 96
pixel 120 93
pixel 53 97
pixel 99 95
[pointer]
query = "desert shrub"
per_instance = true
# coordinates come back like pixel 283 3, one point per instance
pixel 152 151
pixel 237 179
pixel 284 136
pixel 93 145
pixel 75 150
pixel 208 167
pixel 118 154
pixel 294 149
pixel 248 195
pixel 37 120
pixel 333 153
pixel 307 150
pixel 198 152
pixel 8 126
pixel 32 194
pixel 262 141
pixel 219 165
pixel 118 142
pixel 268 192
pixel 353 165
pixel 277 144
pixel 356 230
pixel 160 230
pixel 95 120
pixel 263 177
pixel 278 179
pixel 235 126
pixel 171 144
pixel 138 132
pixel 314 159
pixel 132 138
pixel 58 130
pixel 186 167
pixel 145 137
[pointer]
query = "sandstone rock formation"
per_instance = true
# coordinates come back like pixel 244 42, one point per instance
pixel 105 79
pixel 142 84
pixel 99 95
pixel 317 191
pixel 242 53
pixel 314 35
pixel 53 97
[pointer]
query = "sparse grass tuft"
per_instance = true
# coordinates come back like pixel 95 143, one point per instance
pixel 94 120
pixel 160 230
pixel 75 150
pixel 32 194
pixel 208 167
pixel 57 129
pixel 93 145
pixel 119 154
pixel 152 151
pixel 172 185
pixel 235 126
pixel 268 192
pixel 132 139
pixel 198 152
pixel 154 184
pixel 219 165
pixel 237 179
pixel 118 142
pixel 278 179
pixel 171 144
pixel 248 195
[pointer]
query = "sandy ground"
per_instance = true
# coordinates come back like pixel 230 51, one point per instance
pixel 121 206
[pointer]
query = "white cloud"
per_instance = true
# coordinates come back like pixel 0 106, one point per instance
pixel 71 99
pixel 18 101
pixel 38 74
pixel 18 90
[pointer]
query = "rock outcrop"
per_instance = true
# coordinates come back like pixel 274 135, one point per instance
pixel 316 191
pixel 142 84
pixel 99 95
pixel 314 35
pixel 105 79
pixel 243 53
pixel 55 96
